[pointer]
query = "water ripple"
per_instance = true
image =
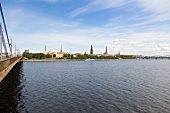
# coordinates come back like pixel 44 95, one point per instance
pixel 118 86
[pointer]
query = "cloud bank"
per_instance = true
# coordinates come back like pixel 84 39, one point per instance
pixel 131 27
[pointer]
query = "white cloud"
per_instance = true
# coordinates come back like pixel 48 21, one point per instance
pixel 128 39
pixel 140 46
pixel 137 43
pixel 97 5
pixel 155 6
pixel 159 9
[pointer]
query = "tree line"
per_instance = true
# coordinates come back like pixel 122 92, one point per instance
pixel 36 55
pixel 71 56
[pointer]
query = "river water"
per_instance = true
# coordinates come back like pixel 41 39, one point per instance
pixel 115 86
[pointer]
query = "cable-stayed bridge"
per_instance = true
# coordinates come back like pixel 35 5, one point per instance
pixel 7 59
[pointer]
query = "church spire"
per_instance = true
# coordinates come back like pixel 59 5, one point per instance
pixel 45 47
pixel 106 50
pixel 91 50
pixel 61 48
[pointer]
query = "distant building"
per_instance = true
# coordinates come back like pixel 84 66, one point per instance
pixel 48 52
pixel 118 54
pixel 138 56
pixel 99 55
pixel 57 54
pixel 77 54
pixel 26 51
pixel 60 54
pixel 91 50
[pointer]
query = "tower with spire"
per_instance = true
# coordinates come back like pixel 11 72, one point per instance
pixel 61 48
pixel 45 50
pixel 106 51
pixel 91 50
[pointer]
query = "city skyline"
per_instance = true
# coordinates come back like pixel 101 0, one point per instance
pixel 132 27
pixel 91 51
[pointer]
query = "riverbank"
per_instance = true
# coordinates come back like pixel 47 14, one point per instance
pixel 66 60
pixel 49 60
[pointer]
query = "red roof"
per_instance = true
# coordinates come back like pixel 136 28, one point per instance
pixel 61 52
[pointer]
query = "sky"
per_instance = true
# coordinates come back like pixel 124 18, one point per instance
pixel 140 27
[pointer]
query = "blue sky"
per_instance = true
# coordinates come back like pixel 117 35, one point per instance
pixel 130 26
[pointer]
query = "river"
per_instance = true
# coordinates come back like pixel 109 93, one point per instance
pixel 114 86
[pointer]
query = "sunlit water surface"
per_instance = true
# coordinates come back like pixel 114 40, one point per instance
pixel 116 86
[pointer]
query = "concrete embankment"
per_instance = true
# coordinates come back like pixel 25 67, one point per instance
pixel 6 65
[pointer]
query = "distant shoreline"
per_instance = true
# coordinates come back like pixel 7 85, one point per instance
pixel 65 60
pixel 48 60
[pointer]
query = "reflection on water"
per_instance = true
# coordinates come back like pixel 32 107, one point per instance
pixel 11 89
pixel 118 86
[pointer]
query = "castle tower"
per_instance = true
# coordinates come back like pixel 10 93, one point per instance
pixel 91 50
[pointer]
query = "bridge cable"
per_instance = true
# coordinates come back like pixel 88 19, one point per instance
pixel 2 15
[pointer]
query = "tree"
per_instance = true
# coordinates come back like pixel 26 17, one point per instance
pixel 54 55
pixel 38 55
pixel 48 56
pixel 65 55
pixel 27 55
